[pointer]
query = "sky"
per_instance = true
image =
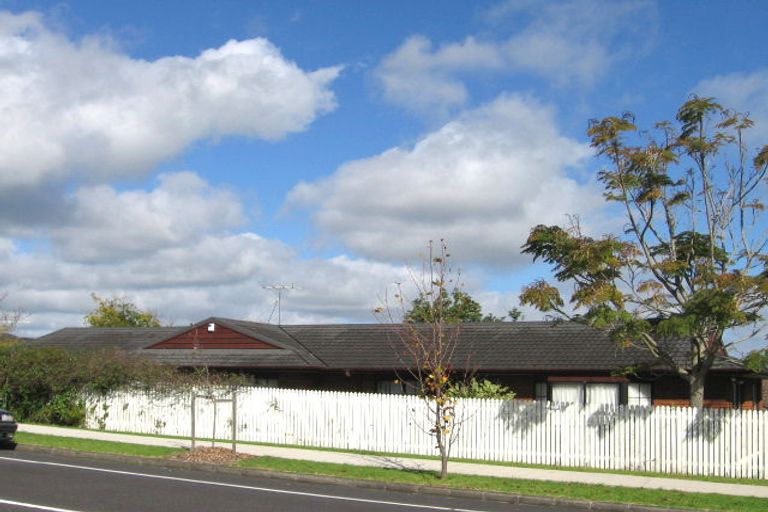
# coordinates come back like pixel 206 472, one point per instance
pixel 187 155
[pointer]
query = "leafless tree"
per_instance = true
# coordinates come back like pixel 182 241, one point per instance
pixel 428 349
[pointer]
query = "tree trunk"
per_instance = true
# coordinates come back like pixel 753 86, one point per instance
pixel 697 390
pixel 441 441
pixel 443 466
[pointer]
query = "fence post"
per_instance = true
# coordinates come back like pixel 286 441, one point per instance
pixel 234 420
pixel 193 420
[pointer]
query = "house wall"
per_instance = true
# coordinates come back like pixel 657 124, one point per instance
pixel 720 391
pixel 666 390
pixel 220 338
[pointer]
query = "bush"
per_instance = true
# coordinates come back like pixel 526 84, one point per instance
pixel 48 384
pixel 481 389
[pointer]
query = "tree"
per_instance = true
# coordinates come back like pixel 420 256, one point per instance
pixel 119 312
pixel 691 263
pixel 514 315
pixel 428 347
pixel 9 320
pixel 456 306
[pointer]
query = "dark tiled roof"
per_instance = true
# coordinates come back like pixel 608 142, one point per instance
pixel 502 346
pixel 127 338
pixel 489 346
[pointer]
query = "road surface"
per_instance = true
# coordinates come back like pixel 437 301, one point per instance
pixel 32 481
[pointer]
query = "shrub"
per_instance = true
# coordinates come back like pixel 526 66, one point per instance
pixel 48 384
pixel 481 389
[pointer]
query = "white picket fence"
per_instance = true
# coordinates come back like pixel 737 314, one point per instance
pixel 731 443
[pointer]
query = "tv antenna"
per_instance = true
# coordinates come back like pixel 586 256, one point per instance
pixel 279 288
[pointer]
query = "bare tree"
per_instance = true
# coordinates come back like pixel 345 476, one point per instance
pixel 428 349
pixel 9 319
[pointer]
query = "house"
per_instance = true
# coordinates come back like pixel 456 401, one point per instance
pixel 558 361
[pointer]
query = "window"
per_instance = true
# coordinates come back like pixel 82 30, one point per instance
pixel 541 392
pixel 580 393
pixel 390 387
pixel 602 393
pixel 639 393
pixel 265 382
pixel 568 392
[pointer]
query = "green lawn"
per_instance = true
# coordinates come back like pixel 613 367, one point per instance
pixel 87 445
pixel 603 493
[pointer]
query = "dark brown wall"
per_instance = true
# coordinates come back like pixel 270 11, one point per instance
pixel 718 392
pixel 667 390
pixel 221 337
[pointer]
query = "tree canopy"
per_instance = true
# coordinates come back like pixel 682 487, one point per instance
pixel 691 262
pixel 456 306
pixel 119 312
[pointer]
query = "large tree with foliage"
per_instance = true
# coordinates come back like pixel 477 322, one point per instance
pixel 457 306
pixel 119 312
pixel 691 262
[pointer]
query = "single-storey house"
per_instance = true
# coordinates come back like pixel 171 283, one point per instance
pixel 558 361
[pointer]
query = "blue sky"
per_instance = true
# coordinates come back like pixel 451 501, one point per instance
pixel 186 153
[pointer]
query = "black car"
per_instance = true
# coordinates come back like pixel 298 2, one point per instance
pixel 8 428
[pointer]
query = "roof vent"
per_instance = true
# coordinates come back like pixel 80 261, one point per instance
pixel 211 327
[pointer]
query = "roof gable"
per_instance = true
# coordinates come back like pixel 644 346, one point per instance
pixel 213 334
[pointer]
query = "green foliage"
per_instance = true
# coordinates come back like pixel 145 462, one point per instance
pixel 455 307
pixel 48 384
pixel 691 262
pixel 119 312
pixel 757 361
pixel 480 389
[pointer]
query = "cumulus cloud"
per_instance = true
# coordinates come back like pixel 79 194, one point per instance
pixel 218 275
pixel 106 224
pixel 571 43
pixel 418 77
pixel 481 182
pixel 84 107
pixel 745 92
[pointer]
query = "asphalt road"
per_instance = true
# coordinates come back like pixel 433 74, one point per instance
pixel 31 481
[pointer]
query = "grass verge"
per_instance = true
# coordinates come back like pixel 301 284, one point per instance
pixel 88 445
pixel 652 474
pixel 652 497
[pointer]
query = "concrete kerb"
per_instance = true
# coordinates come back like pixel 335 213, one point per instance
pixel 616 480
pixel 515 499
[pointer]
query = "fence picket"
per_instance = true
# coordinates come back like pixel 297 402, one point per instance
pixel 730 443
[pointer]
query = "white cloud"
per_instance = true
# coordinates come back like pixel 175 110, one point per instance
pixel 570 43
pixel 218 275
pixel 481 182
pixel 107 224
pixel 418 78
pixel 745 92
pixel 82 106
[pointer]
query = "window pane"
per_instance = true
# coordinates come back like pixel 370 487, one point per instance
pixel 639 393
pixel 265 382
pixel 390 387
pixel 541 391
pixel 602 393
pixel 567 392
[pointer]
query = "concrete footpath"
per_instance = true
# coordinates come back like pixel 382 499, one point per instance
pixel 643 482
